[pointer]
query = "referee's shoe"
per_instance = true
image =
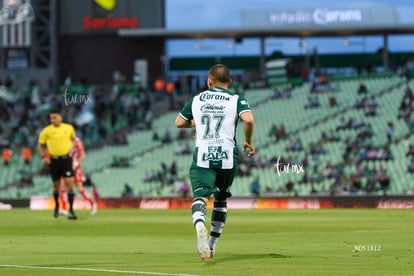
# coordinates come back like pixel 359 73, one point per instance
pixel 72 215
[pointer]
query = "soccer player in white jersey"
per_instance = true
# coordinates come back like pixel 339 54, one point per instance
pixel 78 155
pixel 215 113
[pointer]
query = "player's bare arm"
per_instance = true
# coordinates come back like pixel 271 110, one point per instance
pixel 180 122
pixel 42 153
pixel 248 122
pixel 82 154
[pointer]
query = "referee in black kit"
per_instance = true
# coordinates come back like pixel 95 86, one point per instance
pixel 58 138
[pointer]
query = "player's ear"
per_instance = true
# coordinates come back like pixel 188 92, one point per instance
pixel 209 83
pixel 230 82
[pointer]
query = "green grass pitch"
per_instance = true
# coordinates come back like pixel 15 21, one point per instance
pixel 254 242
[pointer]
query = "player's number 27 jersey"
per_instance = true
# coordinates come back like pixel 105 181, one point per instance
pixel 215 112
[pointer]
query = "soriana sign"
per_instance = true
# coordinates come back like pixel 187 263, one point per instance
pixel 86 17
pixel 109 22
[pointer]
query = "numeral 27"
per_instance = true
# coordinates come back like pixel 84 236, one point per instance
pixel 206 119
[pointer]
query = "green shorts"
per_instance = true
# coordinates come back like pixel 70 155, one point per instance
pixel 206 182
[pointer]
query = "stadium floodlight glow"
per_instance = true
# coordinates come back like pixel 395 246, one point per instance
pixel 12 2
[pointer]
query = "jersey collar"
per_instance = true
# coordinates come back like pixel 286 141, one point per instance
pixel 218 89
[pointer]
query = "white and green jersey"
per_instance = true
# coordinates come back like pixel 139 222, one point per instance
pixel 215 113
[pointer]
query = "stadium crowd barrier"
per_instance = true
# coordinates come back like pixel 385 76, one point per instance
pixel 379 202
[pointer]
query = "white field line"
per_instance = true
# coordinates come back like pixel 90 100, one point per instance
pixel 93 270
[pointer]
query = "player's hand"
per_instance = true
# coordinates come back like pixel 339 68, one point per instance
pixel 75 165
pixel 46 160
pixel 250 147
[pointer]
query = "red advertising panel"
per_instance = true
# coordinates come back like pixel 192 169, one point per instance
pixel 43 203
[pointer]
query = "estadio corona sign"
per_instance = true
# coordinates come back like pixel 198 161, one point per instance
pixel 321 17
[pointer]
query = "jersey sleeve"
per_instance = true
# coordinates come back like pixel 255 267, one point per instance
pixel 42 137
pixel 72 133
pixel 242 105
pixel 186 113
pixel 79 145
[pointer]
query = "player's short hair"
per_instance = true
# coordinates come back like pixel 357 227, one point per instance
pixel 219 73
pixel 55 111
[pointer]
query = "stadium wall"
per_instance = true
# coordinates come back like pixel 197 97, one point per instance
pixel 379 202
pixel 80 58
pixel 89 47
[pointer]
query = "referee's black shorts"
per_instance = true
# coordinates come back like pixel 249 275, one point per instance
pixel 61 166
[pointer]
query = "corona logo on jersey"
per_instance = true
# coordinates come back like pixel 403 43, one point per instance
pixel 108 5
pixel 207 96
pixel 109 21
pixel 215 153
